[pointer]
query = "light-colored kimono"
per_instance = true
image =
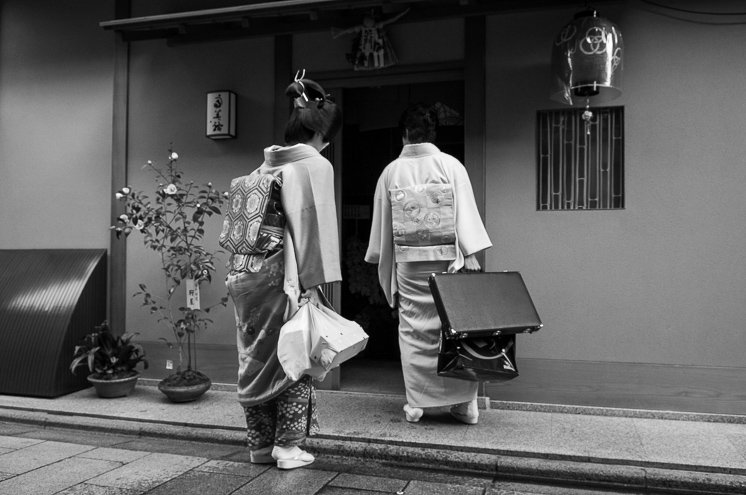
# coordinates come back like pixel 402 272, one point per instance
pixel 419 323
pixel 266 298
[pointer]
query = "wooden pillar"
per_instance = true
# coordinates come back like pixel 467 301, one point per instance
pixel 283 75
pixel 474 102
pixel 118 247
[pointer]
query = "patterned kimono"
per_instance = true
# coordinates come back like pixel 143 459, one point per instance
pixel 420 166
pixel 279 411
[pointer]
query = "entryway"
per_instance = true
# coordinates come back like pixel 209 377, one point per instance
pixel 370 139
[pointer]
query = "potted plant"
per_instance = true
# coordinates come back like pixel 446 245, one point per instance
pixel 111 360
pixel 172 224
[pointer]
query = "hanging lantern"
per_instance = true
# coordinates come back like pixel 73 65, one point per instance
pixel 587 60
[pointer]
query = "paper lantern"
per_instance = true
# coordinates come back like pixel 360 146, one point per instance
pixel 587 60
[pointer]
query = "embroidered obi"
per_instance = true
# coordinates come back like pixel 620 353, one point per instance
pixel 423 222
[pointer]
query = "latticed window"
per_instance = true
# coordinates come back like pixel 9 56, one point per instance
pixel 580 161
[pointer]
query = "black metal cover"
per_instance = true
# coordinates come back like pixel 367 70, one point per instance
pixel 49 299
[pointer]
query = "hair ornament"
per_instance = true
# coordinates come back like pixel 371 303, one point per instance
pixel 302 100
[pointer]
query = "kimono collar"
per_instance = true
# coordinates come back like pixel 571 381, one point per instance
pixel 417 150
pixel 280 155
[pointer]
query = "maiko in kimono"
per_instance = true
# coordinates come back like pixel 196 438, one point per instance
pixel 425 220
pixel 267 290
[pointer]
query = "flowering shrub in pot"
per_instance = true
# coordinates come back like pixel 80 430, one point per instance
pixel 172 224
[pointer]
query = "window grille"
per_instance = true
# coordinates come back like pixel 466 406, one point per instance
pixel 580 164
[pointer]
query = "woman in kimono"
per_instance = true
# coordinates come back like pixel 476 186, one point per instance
pixel 425 220
pixel 268 287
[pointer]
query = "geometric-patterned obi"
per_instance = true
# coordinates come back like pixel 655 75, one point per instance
pixel 423 222
pixel 255 220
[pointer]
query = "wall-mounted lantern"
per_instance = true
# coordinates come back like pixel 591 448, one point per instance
pixel 221 115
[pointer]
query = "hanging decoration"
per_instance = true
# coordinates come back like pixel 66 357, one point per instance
pixel 587 62
pixel 371 48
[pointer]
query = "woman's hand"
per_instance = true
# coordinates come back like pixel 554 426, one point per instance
pixel 471 264
pixel 309 295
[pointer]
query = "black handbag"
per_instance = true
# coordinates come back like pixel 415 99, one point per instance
pixel 485 359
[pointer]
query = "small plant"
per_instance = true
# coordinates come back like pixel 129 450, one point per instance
pixel 108 356
pixel 172 224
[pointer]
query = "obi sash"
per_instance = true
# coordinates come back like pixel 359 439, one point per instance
pixel 423 222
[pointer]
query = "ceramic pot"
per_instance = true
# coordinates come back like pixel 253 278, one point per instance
pixel 110 389
pixel 184 393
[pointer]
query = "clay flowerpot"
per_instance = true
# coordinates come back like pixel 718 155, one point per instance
pixel 185 386
pixel 109 389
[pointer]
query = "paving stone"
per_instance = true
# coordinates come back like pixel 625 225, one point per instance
pixel 148 472
pixel 86 489
pixel 373 483
pixel 80 436
pixel 181 447
pixel 280 482
pixel 682 443
pixel 15 428
pixel 697 482
pixel 110 454
pixel 52 478
pixel 38 455
pixel 245 469
pixel 13 443
pixel 200 482
pixel 428 488
pixel 372 467
pixel 501 488
pixel 738 441
pixel 335 490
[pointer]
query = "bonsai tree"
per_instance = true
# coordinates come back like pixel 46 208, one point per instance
pixel 172 224
pixel 108 356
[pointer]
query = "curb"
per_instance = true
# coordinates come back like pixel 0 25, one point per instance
pixel 606 474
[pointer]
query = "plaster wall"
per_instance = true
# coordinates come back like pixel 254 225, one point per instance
pixel 167 107
pixel 55 124
pixel 663 280
pixel 168 87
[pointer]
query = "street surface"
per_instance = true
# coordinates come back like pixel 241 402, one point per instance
pixel 45 461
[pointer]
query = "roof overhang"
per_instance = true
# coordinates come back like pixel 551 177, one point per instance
pixel 297 16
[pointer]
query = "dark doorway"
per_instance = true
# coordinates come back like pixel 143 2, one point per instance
pixel 371 141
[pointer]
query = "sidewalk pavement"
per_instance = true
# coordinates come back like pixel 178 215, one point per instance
pixel 617 449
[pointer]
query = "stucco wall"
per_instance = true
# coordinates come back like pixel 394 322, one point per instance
pixel 55 124
pixel 168 86
pixel 663 280
pixel 167 105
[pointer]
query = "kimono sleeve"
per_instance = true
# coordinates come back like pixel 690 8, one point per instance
pixel 311 212
pixel 381 242
pixel 470 231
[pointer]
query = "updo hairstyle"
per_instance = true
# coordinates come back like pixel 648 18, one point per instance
pixel 421 122
pixel 313 111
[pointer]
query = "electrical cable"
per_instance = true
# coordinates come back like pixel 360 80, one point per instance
pixel 696 12
pixel 680 14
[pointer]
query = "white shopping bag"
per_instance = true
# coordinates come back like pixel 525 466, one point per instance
pixel 334 339
pixel 294 346
pixel 317 339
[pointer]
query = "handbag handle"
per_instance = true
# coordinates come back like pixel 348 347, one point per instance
pixel 478 354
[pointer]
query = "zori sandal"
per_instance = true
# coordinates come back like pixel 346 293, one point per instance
pixel 291 458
